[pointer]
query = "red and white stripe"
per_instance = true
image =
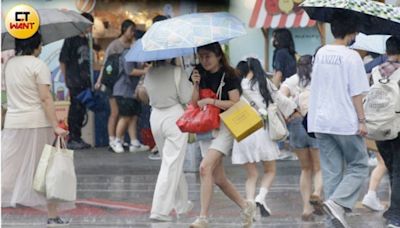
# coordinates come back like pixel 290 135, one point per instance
pixel 261 19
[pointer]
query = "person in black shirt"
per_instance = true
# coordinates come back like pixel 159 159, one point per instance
pixel 215 72
pixel 283 60
pixel 75 66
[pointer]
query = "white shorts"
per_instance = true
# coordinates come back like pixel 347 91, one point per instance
pixel 222 142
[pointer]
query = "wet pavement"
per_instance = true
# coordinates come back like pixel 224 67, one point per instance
pixel 115 190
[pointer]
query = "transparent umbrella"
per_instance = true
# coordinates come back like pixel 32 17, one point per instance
pixel 192 30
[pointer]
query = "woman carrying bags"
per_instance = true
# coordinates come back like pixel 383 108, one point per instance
pixel 30 124
pixel 216 74
pixel 259 147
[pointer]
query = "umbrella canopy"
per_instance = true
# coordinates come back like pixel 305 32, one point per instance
pixel 55 25
pixel 375 17
pixel 137 54
pixel 192 30
pixel 371 43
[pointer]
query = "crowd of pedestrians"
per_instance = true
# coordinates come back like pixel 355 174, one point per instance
pixel 320 95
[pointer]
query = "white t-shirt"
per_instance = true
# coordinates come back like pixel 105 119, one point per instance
pixel 295 88
pixel 338 75
pixel 23 74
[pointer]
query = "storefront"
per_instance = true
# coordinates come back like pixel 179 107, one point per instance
pixel 266 15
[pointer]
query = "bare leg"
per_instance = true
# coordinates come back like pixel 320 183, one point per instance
pixel 52 210
pixel 226 186
pixel 317 173
pixel 377 174
pixel 207 166
pixel 251 181
pixel 211 169
pixel 269 174
pixel 305 179
pixel 113 118
pixel 122 125
pixel 132 128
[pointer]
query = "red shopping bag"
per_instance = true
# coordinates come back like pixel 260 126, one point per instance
pixel 200 120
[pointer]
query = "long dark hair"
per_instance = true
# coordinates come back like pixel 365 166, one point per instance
pixel 304 68
pixel 217 50
pixel 29 45
pixel 283 39
pixel 243 68
pixel 260 77
pixel 125 25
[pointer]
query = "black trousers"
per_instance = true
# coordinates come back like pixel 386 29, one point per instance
pixel 76 114
pixel 390 151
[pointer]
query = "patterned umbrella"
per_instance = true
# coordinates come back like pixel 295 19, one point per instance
pixel 55 25
pixel 192 30
pixel 137 54
pixel 375 17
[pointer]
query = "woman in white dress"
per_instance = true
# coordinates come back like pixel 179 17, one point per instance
pixel 259 147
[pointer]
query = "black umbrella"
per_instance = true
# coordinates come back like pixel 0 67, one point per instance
pixel 374 17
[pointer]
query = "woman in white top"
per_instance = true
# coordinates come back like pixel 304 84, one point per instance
pixel 297 87
pixel 259 147
pixel 30 123
pixel 168 88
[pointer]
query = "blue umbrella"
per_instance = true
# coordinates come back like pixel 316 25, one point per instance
pixel 137 54
pixel 192 30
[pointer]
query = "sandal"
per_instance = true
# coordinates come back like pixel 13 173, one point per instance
pixel 317 203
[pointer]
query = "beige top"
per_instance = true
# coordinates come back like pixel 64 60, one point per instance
pixel 23 75
pixel 116 47
pixel 162 89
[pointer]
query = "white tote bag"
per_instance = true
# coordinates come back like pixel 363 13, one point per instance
pixel 276 124
pixel 60 176
pixel 39 181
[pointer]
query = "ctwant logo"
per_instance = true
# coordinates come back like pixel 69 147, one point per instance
pixel 22 21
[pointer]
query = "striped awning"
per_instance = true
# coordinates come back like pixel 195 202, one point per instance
pixel 260 18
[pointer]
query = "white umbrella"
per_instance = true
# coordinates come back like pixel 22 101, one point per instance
pixel 55 25
pixel 371 43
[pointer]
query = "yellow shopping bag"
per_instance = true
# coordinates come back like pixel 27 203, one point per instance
pixel 241 120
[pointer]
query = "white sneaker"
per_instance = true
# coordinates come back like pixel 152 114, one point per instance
pixel 248 214
pixel 155 156
pixel 117 147
pixel 200 222
pixel 264 210
pixel 372 202
pixel 161 218
pixel 138 148
pixel 372 162
pixel 336 212
pixel 186 209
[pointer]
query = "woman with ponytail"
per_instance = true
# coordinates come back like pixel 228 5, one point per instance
pixel 259 147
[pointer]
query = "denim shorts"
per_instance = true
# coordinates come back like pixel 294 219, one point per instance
pixel 298 137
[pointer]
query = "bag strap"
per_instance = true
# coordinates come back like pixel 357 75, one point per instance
pixel 221 84
pixel 251 102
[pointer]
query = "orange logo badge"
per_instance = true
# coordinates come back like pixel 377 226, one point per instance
pixel 22 21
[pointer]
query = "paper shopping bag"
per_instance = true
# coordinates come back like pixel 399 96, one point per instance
pixel 241 120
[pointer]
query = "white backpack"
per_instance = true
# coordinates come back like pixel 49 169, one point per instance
pixel 382 108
